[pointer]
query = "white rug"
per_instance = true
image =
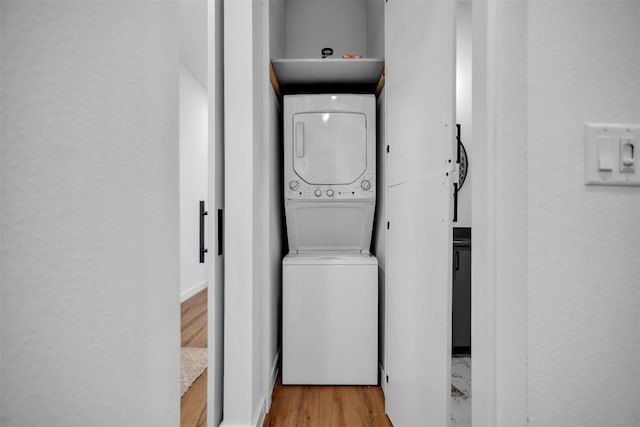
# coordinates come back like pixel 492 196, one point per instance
pixel 193 362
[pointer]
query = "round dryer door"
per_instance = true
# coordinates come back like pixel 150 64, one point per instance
pixel 329 148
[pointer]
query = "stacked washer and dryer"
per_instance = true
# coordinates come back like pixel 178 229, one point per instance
pixel 330 279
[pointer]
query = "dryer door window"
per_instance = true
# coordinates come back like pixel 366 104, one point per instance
pixel 329 148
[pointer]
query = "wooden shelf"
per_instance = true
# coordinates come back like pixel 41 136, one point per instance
pixel 316 71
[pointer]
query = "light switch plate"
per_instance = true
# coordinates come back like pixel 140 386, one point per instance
pixel 606 154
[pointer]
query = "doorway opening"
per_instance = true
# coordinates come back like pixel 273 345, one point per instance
pixel 201 210
pixel 461 227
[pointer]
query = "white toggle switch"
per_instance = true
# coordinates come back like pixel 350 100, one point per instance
pixel 610 152
pixel 605 153
pixel 627 154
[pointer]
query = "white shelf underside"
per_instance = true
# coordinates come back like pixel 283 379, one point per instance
pixel 323 71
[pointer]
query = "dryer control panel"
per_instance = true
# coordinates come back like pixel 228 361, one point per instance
pixel 363 188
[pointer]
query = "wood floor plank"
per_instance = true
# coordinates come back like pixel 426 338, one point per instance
pixel 322 406
pixel 193 322
pixel 193 405
pixel 292 406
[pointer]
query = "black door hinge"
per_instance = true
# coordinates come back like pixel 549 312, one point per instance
pixel 387 148
pixel 388 225
pixel 387 378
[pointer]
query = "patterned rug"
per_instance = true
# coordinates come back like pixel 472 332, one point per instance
pixel 193 362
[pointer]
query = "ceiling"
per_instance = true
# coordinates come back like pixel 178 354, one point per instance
pixel 193 38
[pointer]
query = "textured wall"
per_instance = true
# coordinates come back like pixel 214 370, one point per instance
pixel 271 246
pixel 90 308
pixel 193 183
pixel 244 84
pixel 193 38
pixel 510 231
pixel 314 25
pixel 277 28
pixel 583 242
pixel 375 28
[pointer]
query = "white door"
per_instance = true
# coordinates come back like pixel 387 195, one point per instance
pixel 420 93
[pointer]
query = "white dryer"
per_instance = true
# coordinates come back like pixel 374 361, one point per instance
pixel 330 280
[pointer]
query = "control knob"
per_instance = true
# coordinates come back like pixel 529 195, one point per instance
pixel 318 192
pixel 330 193
pixel 365 184
pixel 294 185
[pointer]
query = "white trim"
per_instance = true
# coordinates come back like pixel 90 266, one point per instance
pixel 262 414
pixel 266 403
pixel 483 215
pixel 226 424
pixel 383 379
pixel 193 290
pixel 273 379
pixel 499 214
pixel 215 271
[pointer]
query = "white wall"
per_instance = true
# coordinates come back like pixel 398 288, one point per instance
pixel 90 263
pixel 561 314
pixel 193 38
pixel 259 151
pixel 510 216
pixel 253 200
pixel 2 244
pixel 239 206
pixel 272 199
pixel 583 271
pixel 272 244
pixel 463 104
pixel 193 183
pixel 277 10
pixel 314 25
pixel 375 28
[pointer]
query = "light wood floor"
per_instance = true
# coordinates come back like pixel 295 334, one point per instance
pixel 327 406
pixel 193 322
pixel 292 406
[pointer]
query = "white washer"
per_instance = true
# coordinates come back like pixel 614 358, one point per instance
pixel 330 280
pixel 330 319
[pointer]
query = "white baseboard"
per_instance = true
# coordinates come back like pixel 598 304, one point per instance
pixel 383 379
pixel 266 403
pixel 192 291
pixel 261 415
pixel 259 421
pixel 226 424
pixel 274 378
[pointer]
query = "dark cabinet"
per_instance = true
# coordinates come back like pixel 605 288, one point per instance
pixel 461 326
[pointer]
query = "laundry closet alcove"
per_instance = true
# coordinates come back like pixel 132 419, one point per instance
pixel 407 62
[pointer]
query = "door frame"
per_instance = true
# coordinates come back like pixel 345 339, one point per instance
pixel 499 213
pixel 215 170
pixel 483 226
pixel 484 252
